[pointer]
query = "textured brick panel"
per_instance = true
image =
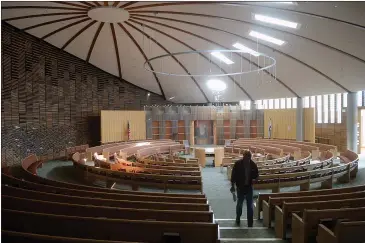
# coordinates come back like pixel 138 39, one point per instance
pixel 48 97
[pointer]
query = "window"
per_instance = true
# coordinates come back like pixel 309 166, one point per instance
pixel 319 109
pixel 339 108
pixel 288 103
pixel 295 102
pixel 245 104
pixel 277 104
pixel 282 103
pixel 305 102
pixel 265 104
pixel 359 98
pixel 332 108
pixel 271 104
pixel 259 104
pixel 325 108
pixel 313 101
pixel 345 100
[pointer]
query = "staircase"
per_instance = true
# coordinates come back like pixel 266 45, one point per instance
pixel 229 233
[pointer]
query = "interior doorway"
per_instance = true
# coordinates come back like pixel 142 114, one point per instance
pixel 362 131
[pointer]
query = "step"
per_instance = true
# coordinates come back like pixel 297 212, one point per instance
pixel 231 222
pixel 255 240
pixel 245 232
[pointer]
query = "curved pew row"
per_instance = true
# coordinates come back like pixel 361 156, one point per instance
pixel 25 200
pixel 41 180
pixel 303 179
pixel 14 236
pixel 109 229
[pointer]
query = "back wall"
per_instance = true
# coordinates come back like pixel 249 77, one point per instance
pixel 49 97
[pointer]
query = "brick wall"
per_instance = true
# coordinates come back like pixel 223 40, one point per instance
pixel 50 96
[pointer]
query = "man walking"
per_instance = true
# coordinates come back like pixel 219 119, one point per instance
pixel 243 172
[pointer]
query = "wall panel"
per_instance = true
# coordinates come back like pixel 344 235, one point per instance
pixel 114 125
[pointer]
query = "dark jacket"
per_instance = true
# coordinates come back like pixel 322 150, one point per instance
pixel 239 176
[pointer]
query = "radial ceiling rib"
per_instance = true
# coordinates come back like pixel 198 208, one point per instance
pixel 64 27
pixel 240 36
pixel 43 15
pixel 250 23
pixel 242 4
pixel 168 4
pixel 145 57
pixel 127 4
pixel 207 59
pixel 88 4
pixel 94 40
pixel 116 49
pixel 116 3
pixel 106 3
pixel 78 33
pixel 41 7
pixel 71 4
pixel 167 51
pixel 53 21
pixel 304 13
pixel 215 43
pixel 96 3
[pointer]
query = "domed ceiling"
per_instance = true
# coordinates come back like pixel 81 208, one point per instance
pixel 319 48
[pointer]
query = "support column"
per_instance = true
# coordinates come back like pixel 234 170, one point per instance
pixel 300 120
pixel 351 121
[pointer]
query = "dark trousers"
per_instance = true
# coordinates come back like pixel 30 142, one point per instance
pixel 242 193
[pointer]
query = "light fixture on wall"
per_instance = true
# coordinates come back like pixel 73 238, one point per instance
pixel 245 49
pixel 216 85
pixel 276 21
pixel 222 57
pixel 266 38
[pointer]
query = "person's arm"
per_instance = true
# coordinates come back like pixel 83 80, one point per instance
pixel 255 171
pixel 233 177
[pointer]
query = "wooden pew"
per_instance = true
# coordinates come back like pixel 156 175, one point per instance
pixel 282 214
pixel 13 236
pixel 269 207
pixel 49 207
pixel 19 192
pixel 11 181
pixel 344 232
pixel 307 226
pixel 45 181
pixel 107 229
pixel 265 196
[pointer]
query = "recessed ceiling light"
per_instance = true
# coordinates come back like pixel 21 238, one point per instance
pixel 266 38
pixel 246 49
pixel 276 21
pixel 222 57
pixel 216 85
pixel 171 97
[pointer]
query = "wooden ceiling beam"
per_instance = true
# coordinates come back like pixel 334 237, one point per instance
pixel 145 57
pixel 116 49
pixel 94 40
pixel 78 33
pixel 200 54
pixel 64 27
pixel 173 57
pixel 53 21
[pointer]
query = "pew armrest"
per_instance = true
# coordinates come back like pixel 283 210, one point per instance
pixel 279 223
pixel 298 230
pixel 266 215
pixel 325 235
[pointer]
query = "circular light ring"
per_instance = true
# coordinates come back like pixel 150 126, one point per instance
pixel 267 65
pixel 108 14
pixel 216 85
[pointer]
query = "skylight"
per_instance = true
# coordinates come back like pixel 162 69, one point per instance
pixel 266 38
pixel 276 21
pixel 216 85
pixel 246 49
pixel 222 57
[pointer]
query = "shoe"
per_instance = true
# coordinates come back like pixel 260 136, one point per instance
pixel 238 222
